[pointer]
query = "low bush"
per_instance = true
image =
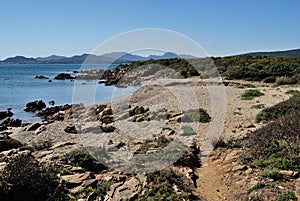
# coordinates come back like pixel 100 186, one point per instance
pixel 283 108
pixel 250 94
pixel 102 188
pixel 275 146
pixel 243 86
pixel 259 185
pixel 82 157
pixel 246 159
pixel 232 143
pixel 287 197
pixel 272 173
pixel 258 106
pixel 293 92
pixel 161 186
pixel 25 179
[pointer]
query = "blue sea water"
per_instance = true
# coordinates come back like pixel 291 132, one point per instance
pixel 18 86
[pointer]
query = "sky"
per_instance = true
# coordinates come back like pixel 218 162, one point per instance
pixel 67 27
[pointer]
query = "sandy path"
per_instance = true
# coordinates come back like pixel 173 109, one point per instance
pixel 210 185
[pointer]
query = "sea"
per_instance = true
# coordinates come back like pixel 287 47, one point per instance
pixel 19 86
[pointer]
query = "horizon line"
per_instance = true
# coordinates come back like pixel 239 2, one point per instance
pixel 209 55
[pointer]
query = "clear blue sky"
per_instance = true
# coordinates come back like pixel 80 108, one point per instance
pixel 67 27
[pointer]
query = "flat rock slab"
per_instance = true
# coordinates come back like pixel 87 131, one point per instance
pixel 76 179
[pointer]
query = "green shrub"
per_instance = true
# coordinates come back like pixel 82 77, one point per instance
pixel 167 155
pixel 160 185
pixel 258 68
pixel 272 173
pixel 258 106
pixel 180 66
pixel 250 94
pixel 287 196
pixel 259 185
pixel 85 191
pixel 283 108
pixel 162 141
pixel 293 92
pixel 281 163
pixel 246 159
pixel 102 188
pixel 232 143
pixel 82 157
pixel 275 146
pixel 25 179
pixel 243 86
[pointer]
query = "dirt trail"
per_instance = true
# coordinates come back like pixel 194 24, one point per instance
pixel 210 186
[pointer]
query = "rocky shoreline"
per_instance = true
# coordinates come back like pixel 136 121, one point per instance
pixel 60 136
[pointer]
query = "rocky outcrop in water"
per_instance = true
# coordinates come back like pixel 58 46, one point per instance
pixel 64 76
pixel 34 106
pixel 41 77
pixel 4 114
pixel 52 102
pixel 56 113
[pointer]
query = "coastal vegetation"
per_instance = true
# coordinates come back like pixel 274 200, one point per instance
pixel 272 151
pixel 181 66
pixel 280 70
pixel 280 109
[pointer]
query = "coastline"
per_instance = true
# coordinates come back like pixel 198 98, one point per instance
pixel 156 110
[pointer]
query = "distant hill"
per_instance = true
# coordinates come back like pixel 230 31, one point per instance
pixel 50 58
pixel 167 55
pixel 124 56
pixel 286 53
pixel 114 57
pixel 20 60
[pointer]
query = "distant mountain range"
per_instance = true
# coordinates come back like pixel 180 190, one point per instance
pixel 114 57
pixel 122 57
